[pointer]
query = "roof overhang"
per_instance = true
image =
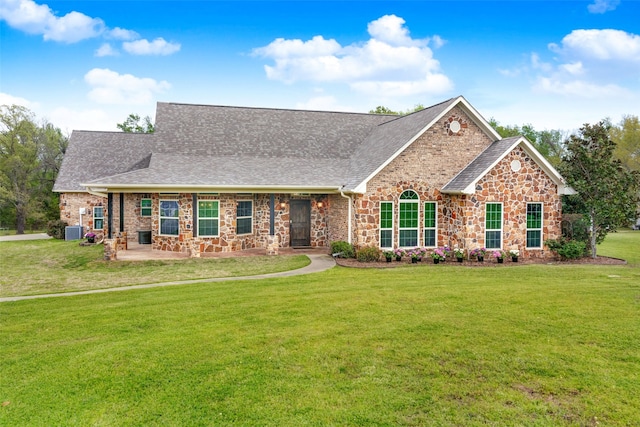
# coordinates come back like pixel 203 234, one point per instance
pixel 101 189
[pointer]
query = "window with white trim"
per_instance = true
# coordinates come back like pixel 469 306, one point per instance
pixel 430 224
pixel 145 207
pixel 98 217
pixel 208 218
pixel 408 219
pixel 534 225
pixel 386 225
pixel 169 221
pixel 244 217
pixel 493 226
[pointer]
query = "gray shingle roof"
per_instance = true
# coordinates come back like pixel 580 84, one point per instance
pixel 92 155
pixel 215 146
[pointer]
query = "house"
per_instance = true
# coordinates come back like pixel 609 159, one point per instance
pixel 219 179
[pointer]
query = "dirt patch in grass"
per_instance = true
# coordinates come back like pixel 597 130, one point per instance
pixel 490 262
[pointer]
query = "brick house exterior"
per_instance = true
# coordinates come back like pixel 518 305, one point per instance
pixel 222 179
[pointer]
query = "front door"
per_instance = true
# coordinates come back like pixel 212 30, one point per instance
pixel 300 229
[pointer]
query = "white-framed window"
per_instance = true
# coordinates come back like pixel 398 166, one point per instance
pixel 98 217
pixel 386 225
pixel 169 221
pixel 534 226
pixel 431 224
pixel 409 219
pixel 244 217
pixel 493 226
pixel 208 218
pixel 145 207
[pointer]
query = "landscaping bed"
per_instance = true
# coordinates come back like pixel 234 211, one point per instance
pixel 488 262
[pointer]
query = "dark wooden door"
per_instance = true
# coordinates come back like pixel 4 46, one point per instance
pixel 300 229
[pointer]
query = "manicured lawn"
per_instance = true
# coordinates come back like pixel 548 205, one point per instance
pixel 52 266
pixel 422 345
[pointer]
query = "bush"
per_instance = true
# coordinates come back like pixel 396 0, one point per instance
pixel 368 254
pixel 567 249
pixel 344 249
pixel 56 229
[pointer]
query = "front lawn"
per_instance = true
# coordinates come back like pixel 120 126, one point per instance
pixel 51 266
pixel 417 345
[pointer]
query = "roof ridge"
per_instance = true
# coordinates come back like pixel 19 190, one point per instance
pixel 300 110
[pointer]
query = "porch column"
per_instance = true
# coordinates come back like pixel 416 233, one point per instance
pixel 110 215
pixel 121 212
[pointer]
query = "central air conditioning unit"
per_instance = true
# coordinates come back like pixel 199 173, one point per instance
pixel 73 232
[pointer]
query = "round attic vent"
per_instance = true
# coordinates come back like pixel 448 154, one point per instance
pixel 455 126
pixel 516 165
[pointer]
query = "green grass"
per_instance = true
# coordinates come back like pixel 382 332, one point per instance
pixel 51 266
pixel 419 345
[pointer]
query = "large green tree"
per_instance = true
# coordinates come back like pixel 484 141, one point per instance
pixel 132 124
pixel 30 157
pixel 627 138
pixel 547 142
pixel 607 191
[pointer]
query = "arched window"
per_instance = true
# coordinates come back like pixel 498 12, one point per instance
pixel 408 219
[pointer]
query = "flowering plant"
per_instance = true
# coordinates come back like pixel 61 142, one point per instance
pixel 388 253
pixel 399 252
pixel 416 253
pixel 439 254
pixel 90 235
pixel 459 253
pixel 479 252
pixel 514 253
pixel 498 254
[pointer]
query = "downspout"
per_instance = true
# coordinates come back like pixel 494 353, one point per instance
pixel 349 215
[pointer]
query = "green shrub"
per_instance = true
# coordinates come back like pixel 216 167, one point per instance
pixel 368 254
pixel 344 249
pixel 56 229
pixel 567 249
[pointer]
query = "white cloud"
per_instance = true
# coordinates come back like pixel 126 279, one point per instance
pixel 7 99
pixel 32 18
pixel 122 34
pixel 157 47
pixel 91 119
pixel 390 61
pixel 106 50
pixel 110 87
pixel 601 45
pixel 581 88
pixel 603 6
pixel 591 64
pixel 574 68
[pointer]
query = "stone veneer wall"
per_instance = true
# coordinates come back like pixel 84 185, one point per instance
pixel 431 161
pixel 186 242
pixel 70 204
pixel 514 190
pixel 228 240
pixel 424 167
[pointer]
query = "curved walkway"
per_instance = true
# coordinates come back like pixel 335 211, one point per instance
pixel 318 263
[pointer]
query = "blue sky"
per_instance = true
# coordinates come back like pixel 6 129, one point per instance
pixel 553 64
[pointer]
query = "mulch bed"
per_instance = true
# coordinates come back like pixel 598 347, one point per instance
pixel 488 262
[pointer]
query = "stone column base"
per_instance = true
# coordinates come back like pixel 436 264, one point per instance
pixel 110 250
pixel 273 245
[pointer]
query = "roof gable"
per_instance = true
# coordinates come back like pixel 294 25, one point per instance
pixel 465 181
pixel 389 140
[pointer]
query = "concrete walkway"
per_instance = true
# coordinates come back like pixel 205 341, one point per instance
pixel 318 263
pixel 35 236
